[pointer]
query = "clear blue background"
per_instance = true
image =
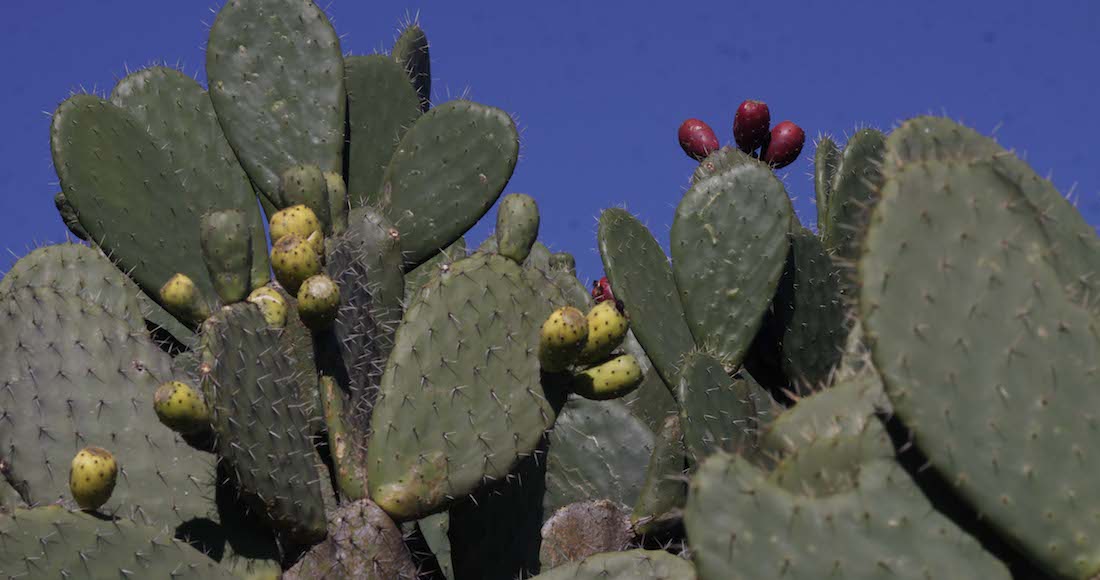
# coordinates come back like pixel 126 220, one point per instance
pixel 600 88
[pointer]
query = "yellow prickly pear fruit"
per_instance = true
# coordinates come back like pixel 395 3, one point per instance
pixel 561 339
pixel 181 408
pixel 296 219
pixel 607 327
pixel 272 305
pixel 92 477
pixel 610 380
pixel 181 297
pixel 318 302
pixel 293 259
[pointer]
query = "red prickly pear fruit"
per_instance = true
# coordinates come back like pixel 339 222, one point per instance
pixel 697 139
pixel 601 290
pixel 750 125
pixel 785 145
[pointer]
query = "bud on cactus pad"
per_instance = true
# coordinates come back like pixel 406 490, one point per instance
pixel 272 305
pixel 750 125
pixel 296 219
pixel 294 259
pixel 181 408
pixel 697 139
pixel 784 145
pixel 92 477
pixel 607 326
pixel 562 338
pixel 318 302
pixel 615 378
pixel 182 298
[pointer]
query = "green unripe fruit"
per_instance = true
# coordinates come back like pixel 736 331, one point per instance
pixel 337 201
pixel 306 185
pixel 562 336
pixel 225 237
pixel 92 477
pixel 181 297
pixel 318 302
pixel 293 259
pixel 607 327
pixel 517 226
pixel 613 379
pixel 296 219
pixel 272 305
pixel 181 408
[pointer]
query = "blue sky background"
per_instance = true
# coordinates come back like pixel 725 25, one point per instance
pixel 600 88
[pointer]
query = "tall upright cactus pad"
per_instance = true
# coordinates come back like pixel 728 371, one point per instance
pixel 826 163
pixel 642 278
pixel 987 354
pixel 717 411
pixel 262 428
pixel 629 565
pixel 812 311
pixel 382 105
pixel 77 376
pixel 855 192
pixel 598 450
pixel 51 542
pixel 729 246
pixel 178 114
pixel 840 508
pixel 664 491
pixel 412 52
pixel 124 187
pixel 277 83
pixel 461 397
pixel 446 173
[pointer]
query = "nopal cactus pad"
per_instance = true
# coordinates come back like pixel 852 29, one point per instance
pixel 461 397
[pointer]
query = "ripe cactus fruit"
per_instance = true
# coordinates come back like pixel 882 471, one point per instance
pixel 92 477
pixel 697 139
pixel 601 290
pixel 296 219
pixel 272 305
pixel 610 380
pixel 750 125
pixel 318 302
pixel 562 337
pixel 293 260
pixel 517 226
pixel 181 408
pixel 607 327
pixel 784 145
pixel 181 297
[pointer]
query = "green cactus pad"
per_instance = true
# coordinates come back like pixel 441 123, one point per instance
pixel 717 411
pixel 641 277
pixel 665 488
pixel 435 530
pixel 517 227
pixel 277 83
pixel 855 193
pixel 363 543
pixel 721 161
pixel 76 375
pixel 537 259
pixel 51 542
pixel 826 163
pixel 652 402
pixel 461 398
pixel 411 51
pixel 815 324
pixel 68 215
pixel 262 429
pixel 629 565
pixel 986 356
pixel 563 261
pixel 124 187
pixel 598 450
pixel 872 522
pixel 177 112
pixel 382 105
pixel 584 529
pixel 226 240
pixel 729 246
pixel 446 173
pixel 416 278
